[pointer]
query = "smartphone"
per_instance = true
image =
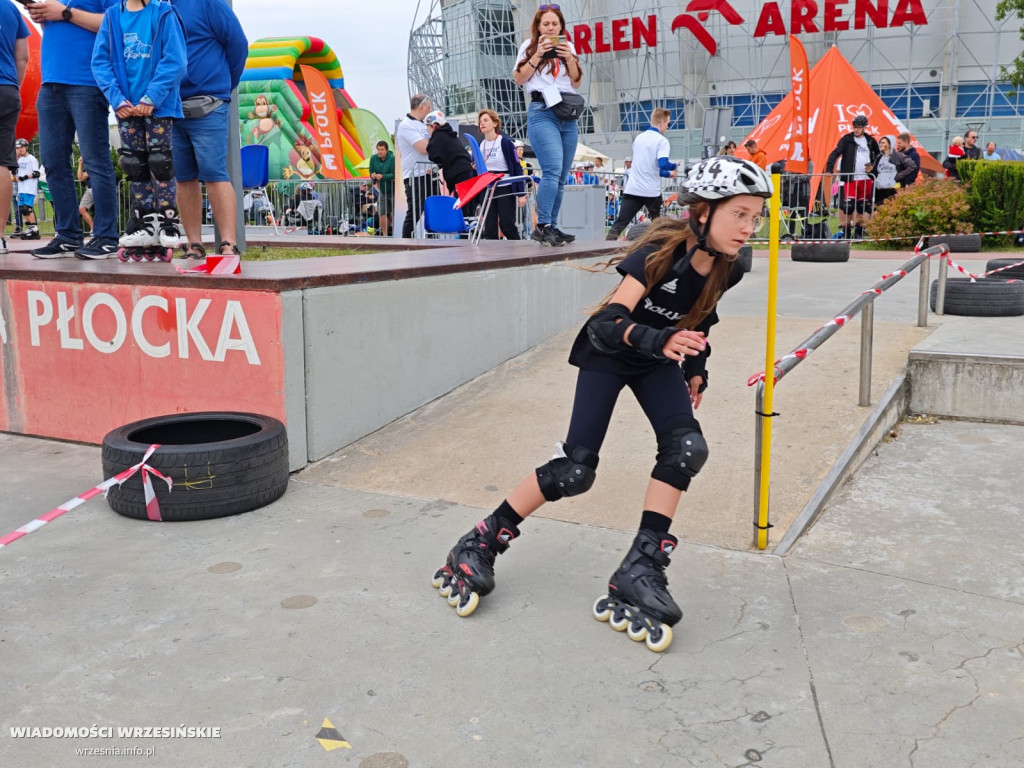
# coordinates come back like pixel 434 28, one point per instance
pixel 555 40
pixel 27 2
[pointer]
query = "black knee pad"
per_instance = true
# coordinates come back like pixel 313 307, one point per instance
pixel 25 210
pixel 682 452
pixel 570 473
pixel 134 165
pixel 161 165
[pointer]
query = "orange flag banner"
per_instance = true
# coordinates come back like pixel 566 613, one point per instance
pixel 796 162
pixel 323 116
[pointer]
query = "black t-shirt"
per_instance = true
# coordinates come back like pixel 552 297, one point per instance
pixel 663 306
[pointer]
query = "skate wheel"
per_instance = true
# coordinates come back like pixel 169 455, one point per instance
pixel 169 255
pixel 660 639
pixel 454 598
pixel 439 578
pixel 620 620
pixel 121 255
pixel 637 631
pixel 135 256
pixel 446 588
pixel 468 606
pixel 602 609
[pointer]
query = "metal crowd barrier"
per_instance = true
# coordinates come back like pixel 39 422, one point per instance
pixel 826 206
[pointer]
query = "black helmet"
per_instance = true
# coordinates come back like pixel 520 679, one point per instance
pixel 21 143
pixel 860 120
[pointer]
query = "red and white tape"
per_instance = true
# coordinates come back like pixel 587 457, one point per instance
pixel 887 239
pixel 152 506
pixel 225 265
pixel 843 319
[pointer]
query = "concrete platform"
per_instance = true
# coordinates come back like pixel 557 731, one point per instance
pixel 890 637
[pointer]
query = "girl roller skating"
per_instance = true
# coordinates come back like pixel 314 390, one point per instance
pixel 649 334
pixel 139 61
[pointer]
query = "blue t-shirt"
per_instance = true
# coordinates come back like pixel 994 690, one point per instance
pixel 12 29
pixel 138 30
pixel 67 48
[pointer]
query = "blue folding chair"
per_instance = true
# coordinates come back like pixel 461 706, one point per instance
pixel 478 155
pixel 440 217
pixel 256 175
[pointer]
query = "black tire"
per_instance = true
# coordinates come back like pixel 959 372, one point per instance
pixel 820 252
pixel 222 463
pixel 984 298
pixel 636 231
pixel 958 243
pixel 1014 273
pixel 746 256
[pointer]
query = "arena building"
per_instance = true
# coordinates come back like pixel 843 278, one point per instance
pixel 721 67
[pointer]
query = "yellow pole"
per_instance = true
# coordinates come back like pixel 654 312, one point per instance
pixel 774 206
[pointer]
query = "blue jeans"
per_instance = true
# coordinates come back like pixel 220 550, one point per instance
pixel 64 110
pixel 554 142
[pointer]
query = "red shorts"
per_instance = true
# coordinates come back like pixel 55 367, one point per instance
pixel 857 196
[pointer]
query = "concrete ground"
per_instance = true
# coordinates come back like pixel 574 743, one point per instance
pixel 891 635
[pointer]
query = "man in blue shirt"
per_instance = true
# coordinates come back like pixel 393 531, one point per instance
pixel 69 102
pixel 217 50
pixel 13 60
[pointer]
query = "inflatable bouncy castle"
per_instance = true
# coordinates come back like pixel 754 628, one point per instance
pixel 274 110
pixel 28 120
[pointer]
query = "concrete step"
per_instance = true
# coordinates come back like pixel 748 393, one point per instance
pixel 970 368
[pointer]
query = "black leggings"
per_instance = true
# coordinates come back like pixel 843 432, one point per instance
pixel 503 209
pixel 662 393
pixel 630 206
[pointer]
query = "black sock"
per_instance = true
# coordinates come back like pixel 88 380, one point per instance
pixel 509 515
pixel 655 521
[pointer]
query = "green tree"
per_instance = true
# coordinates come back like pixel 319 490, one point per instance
pixel 1015 72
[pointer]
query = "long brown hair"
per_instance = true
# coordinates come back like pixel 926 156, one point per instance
pixel 668 235
pixel 535 38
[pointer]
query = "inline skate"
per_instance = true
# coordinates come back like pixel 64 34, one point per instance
pixel 638 600
pixel 141 239
pixel 468 574
pixel 170 230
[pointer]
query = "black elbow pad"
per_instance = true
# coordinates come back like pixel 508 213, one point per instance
pixel 607 328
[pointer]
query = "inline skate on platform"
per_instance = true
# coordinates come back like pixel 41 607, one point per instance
pixel 638 601
pixel 468 574
pixel 142 239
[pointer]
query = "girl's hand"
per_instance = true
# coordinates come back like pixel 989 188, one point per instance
pixel 521 201
pixel 125 111
pixel 683 343
pixel 565 51
pixel 695 394
pixel 143 110
pixel 544 45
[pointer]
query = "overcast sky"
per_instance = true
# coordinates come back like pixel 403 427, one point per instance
pixel 370 38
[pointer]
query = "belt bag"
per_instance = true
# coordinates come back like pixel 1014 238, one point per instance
pixel 569 108
pixel 200 106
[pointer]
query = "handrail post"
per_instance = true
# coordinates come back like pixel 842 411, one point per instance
pixel 922 295
pixel 940 291
pixel 867 326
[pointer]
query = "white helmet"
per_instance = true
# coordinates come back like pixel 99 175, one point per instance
pixel 434 118
pixel 725 176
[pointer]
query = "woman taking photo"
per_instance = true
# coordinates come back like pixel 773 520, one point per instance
pixel 500 157
pixel 547 68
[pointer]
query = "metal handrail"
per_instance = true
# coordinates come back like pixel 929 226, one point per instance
pixel 865 305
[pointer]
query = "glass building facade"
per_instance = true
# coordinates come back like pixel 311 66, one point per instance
pixel 936 64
